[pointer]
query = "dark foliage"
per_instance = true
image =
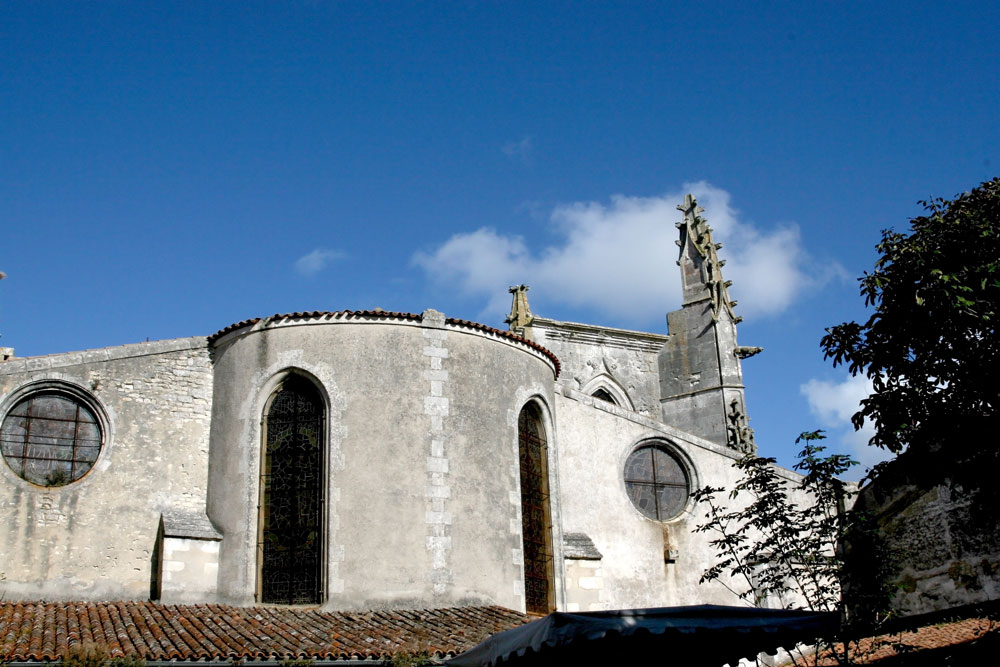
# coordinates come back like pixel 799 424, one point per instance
pixel 931 347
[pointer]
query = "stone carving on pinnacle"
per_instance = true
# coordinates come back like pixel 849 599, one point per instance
pixel 740 433
pixel 520 313
pixel 696 232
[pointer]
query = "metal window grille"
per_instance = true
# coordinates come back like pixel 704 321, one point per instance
pixel 291 497
pixel 536 529
pixel 50 439
pixel 656 482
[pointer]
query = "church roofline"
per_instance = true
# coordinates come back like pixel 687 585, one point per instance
pixel 595 333
pixel 377 315
pixel 74 358
pixel 666 430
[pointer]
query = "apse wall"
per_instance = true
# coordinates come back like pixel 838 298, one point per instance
pixel 421 453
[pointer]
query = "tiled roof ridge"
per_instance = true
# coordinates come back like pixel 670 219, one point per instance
pixel 388 315
pixel 46 631
pixel 469 324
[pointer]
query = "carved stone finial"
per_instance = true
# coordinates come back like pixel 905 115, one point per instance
pixel 520 313
pixel 690 208
pixel 696 233
pixel 738 429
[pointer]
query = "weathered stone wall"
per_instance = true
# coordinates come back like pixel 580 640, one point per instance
pixel 644 562
pixel 595 357
pixel 584 585
pixel 699 373
pixel 422 486
pixel 94 538
pixel 938 531
pixel 422 502
pixel 189 570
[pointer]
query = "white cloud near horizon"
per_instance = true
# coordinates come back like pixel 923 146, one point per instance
pixel 312 263
pixel 620 257
pixel 834 403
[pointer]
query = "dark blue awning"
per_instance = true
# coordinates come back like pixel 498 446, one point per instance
pixel 708 635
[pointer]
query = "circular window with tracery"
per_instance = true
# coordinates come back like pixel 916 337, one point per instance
pixel 656 482
pixel 50 438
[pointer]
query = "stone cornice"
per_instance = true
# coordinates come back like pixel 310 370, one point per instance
pixel 575 332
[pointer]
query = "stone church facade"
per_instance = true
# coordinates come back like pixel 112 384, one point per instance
pixel 373 459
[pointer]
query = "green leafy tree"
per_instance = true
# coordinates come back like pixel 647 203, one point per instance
pixel 930 347
pixel 777 550
pixel 774 550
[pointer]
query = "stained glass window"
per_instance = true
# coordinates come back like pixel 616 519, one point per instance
pixel 292 496
pixel 536 529
pixel 50 439
pixel 656 482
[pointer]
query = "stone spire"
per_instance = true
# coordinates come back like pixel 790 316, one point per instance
pixel 520 313
pixel 701 378
pixel 701 268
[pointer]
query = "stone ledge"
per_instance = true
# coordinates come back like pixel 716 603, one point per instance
pixel 579 546
pixel 189 525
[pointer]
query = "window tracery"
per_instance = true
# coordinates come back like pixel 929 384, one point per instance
pixel 291 502
pixel 51 438
pixel 656 482
pixel 536 526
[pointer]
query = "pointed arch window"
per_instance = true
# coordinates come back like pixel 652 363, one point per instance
pixel 605 388
pixel 604 395
pixel 291 495
pixel 536 525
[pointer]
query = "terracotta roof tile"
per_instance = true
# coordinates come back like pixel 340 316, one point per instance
pixel 873 650
pixel 45 631
pixel 388 315
pixel 505 334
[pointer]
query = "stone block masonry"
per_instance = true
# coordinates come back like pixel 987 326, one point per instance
pixel 157 400
pixel 437 492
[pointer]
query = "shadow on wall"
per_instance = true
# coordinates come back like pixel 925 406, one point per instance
pixel 931 518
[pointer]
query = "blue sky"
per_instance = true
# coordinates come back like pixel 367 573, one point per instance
pixel 169 168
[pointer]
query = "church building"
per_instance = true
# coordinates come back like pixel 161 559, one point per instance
pixel 359 460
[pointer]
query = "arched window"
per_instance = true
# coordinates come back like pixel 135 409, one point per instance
pixel 291 495
pixel 536 526
pixel 603 395
pixel 606 388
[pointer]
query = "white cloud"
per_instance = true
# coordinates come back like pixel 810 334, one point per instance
pixel 619 257
pixel 315 261
pixel 834 403
pixel 518 149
